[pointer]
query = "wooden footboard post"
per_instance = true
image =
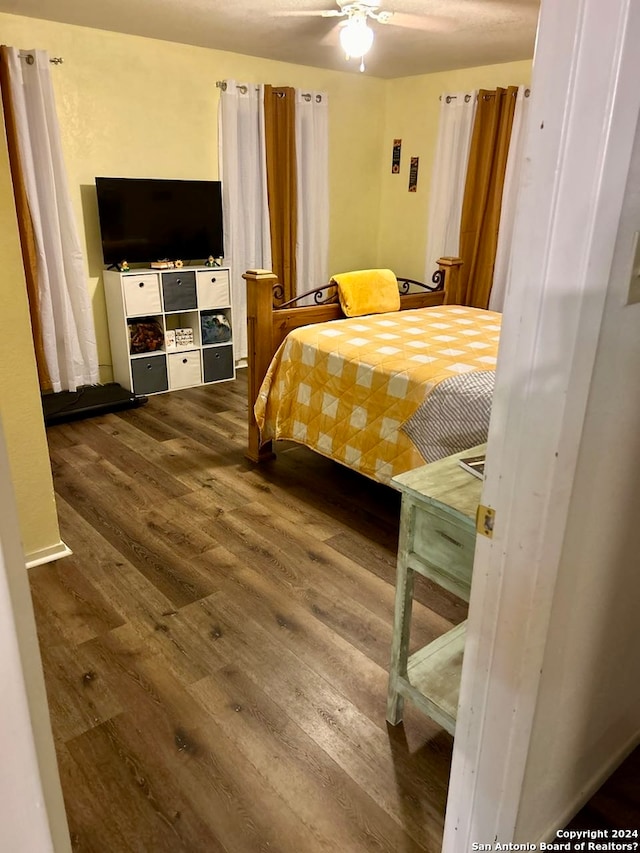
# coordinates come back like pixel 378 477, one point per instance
pixel 259 350
pixel 451 269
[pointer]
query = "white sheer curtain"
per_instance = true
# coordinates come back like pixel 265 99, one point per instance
pixel 67 319
pixel 244 193
pixel 512 177
pixel 312 169
pixel 457 111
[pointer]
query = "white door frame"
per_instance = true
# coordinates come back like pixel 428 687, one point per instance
pixel 584 111
pixel 32 812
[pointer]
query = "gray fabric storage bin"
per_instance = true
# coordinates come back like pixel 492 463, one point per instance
pixel 179 290
pixel 217 363
pixel 149 374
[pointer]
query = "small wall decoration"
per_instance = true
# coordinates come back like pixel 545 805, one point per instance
pixel 413 175
pixel 395 159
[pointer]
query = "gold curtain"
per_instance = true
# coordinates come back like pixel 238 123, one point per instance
pixel 483 195
pixel 25 225
pixel 280 141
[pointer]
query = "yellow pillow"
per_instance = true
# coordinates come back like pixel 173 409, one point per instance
pixel 367 292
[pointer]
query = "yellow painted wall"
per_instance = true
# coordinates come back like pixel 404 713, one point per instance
pixel 137 107
pixel 20 409
pixel 412 109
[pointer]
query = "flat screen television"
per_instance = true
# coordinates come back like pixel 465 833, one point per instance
pixel 150 219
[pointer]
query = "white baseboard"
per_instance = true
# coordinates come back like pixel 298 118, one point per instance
pixel 48 555
pixel 594 785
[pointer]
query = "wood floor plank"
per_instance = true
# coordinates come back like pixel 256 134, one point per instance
pixel 354 603
pixel 80 695
pixel 371 508
pixel 360 550
pixel 310 639
pixel 228 396
pixel 134 464
pixel 112 512
pixel 145 800
pixel 91 825
pixel 184 459
pixel 195 423
pixel 238 485
pixel 185 740
pixel 361 749
pixel 69 608
pixel 189 655
pixel 339 592
pixel 316 788
pixel 146 421
pixel 117 580
pixel 57 439
pixel 72 453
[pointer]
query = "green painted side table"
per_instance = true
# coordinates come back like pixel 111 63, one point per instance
pixel 437 540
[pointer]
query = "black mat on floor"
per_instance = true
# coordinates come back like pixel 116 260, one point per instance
pixel 87 401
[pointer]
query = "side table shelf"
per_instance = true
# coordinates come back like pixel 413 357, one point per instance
pixel 437 540
pixel 433 677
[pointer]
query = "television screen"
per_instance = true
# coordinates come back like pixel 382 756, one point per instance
pixel 148 219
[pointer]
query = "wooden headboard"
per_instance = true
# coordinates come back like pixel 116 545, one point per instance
pixel 268 323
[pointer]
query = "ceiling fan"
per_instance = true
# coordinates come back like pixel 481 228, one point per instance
pixel 368 8
pixel 356 36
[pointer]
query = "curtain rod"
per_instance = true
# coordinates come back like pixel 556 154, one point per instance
pixel 30 59
pixel 467 98
pixel 222 84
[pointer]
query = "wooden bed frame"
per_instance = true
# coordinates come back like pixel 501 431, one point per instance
pixel 269 320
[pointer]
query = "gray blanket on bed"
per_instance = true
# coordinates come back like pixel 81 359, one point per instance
pixel 454 417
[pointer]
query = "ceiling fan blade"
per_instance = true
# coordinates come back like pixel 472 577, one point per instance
pixel 430 23
pixel 308 13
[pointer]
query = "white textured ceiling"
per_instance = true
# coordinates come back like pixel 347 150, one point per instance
pixel 424 35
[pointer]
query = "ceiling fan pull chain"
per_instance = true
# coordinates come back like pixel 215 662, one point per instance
pixel 362 65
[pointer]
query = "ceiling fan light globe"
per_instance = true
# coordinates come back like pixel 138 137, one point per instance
pixel 356 38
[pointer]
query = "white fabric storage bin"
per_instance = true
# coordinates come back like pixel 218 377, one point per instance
pixel 184 369
pixel 213 288
pixel 141 294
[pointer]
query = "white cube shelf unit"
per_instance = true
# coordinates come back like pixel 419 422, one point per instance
pixel 193 303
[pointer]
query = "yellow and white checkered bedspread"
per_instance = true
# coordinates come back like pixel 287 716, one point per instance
pixel 345 388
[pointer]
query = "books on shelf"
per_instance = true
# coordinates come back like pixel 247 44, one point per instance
pixel 474 465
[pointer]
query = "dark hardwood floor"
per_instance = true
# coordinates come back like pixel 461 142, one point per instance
pixel 216 648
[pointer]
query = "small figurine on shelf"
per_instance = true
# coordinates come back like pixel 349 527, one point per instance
pixel 124 266
pixel 210 262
